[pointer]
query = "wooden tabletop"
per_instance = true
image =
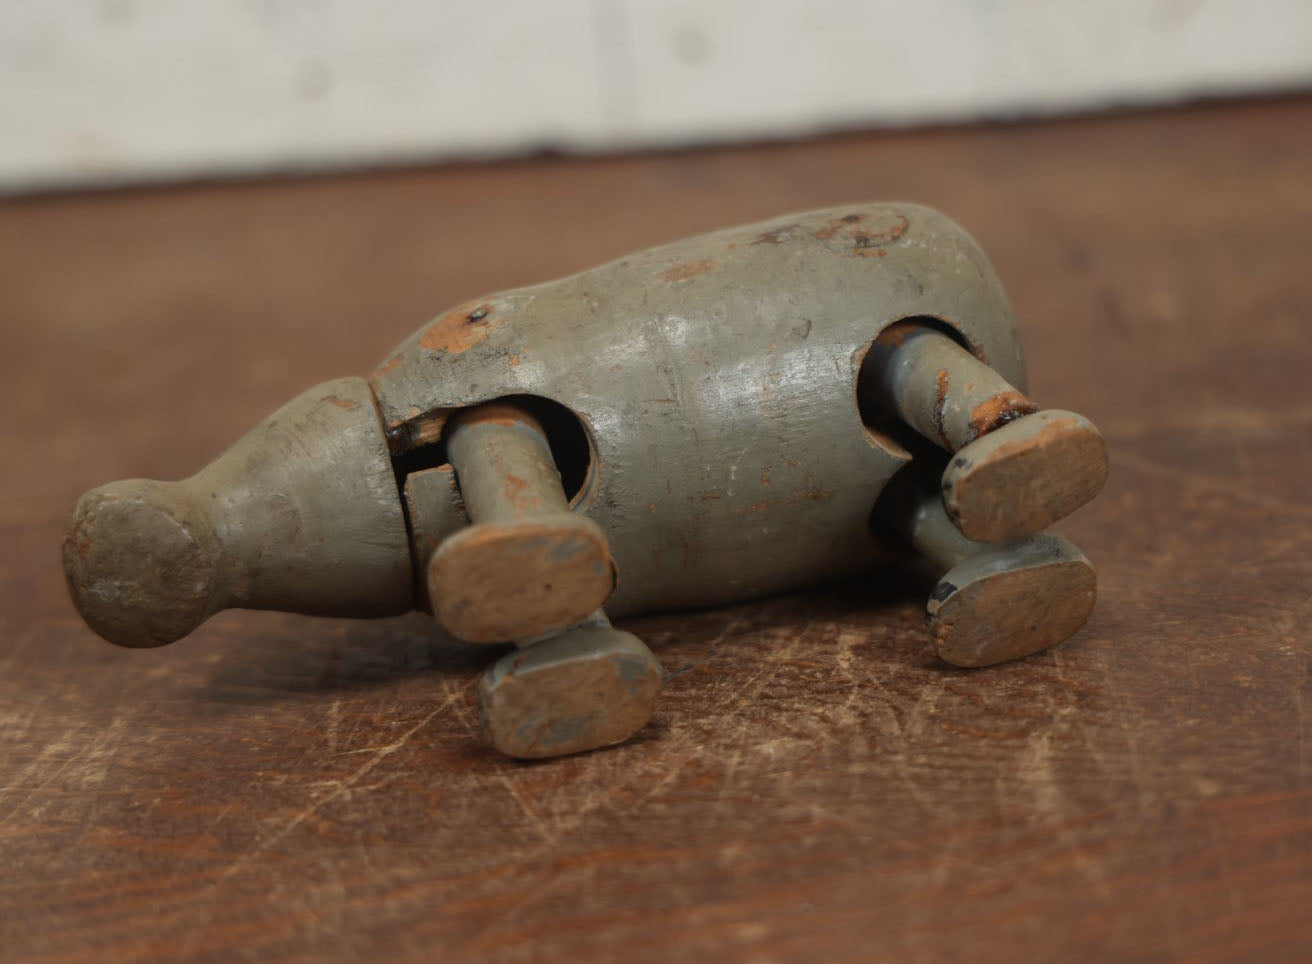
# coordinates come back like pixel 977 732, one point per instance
pixel 815 786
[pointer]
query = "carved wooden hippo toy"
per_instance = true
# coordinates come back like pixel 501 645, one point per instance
pixel 698 423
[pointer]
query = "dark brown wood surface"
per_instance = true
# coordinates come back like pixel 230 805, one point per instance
pixel 815 786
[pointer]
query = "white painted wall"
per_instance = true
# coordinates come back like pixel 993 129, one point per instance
pixel 107 91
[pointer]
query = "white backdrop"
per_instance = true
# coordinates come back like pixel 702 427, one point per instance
pixel 106 91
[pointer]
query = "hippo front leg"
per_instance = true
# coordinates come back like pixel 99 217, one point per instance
pixel 530 570
pixel 528 566
pixel 588 687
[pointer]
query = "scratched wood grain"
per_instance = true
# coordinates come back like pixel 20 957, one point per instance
pixel 815 786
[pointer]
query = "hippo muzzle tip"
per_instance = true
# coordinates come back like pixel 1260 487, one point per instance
pixel 138 559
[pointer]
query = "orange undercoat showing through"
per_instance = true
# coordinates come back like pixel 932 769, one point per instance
pixel 461 329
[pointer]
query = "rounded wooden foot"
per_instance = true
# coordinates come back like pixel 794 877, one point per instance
pixel 1010 601
pixel 1024 476
pixel 590 687
pixel 506 580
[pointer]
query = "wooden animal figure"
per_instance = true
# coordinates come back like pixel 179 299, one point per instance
pixel 708 421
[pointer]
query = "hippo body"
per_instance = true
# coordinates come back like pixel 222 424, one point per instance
pixel 716 381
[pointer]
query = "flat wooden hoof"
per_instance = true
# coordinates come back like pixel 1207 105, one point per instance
pixel 586 688
pixel 514 579
pixel 1010 601
pixel 1024 476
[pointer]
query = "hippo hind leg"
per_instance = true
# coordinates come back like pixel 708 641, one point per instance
pixel 1015 469
pixel 993 601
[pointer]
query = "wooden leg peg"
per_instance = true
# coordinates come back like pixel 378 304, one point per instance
pixel 1016 469
pixel 994 602
pixel 527 566
pixel 585 688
